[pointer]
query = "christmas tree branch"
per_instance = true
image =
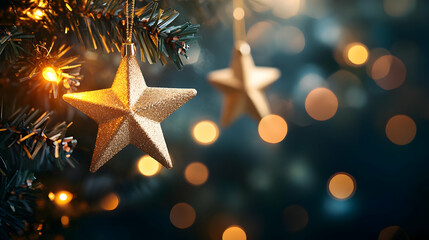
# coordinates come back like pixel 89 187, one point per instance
pixel 51 68
pixel 11 49
pixel 157 39
pixel 27 138
pixel 18 195
pixel 99 24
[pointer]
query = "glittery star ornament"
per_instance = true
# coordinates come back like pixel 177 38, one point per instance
pixel 129 112
pixel 243 85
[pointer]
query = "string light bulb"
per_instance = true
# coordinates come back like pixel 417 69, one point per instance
pixel 38 14
pixel 49 74
pixel 63 197
pixel 35 13
pixel 51 196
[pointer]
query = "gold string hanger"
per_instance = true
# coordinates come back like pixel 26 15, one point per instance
pixel 130 20
pixel 239 23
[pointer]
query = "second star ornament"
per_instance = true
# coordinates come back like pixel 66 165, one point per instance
pixel 129 112
pixel 243 85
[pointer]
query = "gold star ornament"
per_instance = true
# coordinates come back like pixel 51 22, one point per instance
pixel 243 85
pixel 129 112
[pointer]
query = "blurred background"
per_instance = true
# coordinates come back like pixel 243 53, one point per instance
pixel 343 156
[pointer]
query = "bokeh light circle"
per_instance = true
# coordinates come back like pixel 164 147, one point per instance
pixel 182 215
pixel 393 233
pixel 205 132
pixel 234 233
pixel 148 166
pixel 65 220
pixel 51 196
pixel 238 13
pixel 290 40
pixel 321 104
pixel 63 197
pixel 272 128
pixel 388 72
pixel 357 54
pixel 110 202
pixel 401 129
pixel 295 218
pixel 399 8
pixel 341 186
pixel 286 8
pixel 196 173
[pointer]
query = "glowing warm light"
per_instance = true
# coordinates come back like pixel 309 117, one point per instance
pixel 148 166
pixel 51 196
pixel 399 8
pixel 357 53
pixel 49 74
pixel 182 215
pixel 238 13
pixel 401 129
pixel 205 132
pixel 234 233
pixel 65 220
pixel 341 186
pixel 286 8
pixel 63 197
pixel 110 202
pixel 196 173
pixel 35 14
pixel 321 104
pixel 388 72
pixel 272 128
pixel 38 13
pixel 295 218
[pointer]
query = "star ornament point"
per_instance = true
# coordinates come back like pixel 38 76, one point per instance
pixel 243 86
pixel 129 113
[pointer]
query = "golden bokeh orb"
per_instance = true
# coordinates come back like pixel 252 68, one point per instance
pixel 38 13
pixel 205 132
pixel 286 8
pixel 35 14
pixel 51 196
pixel 182 215
pixel 234 233
pixel 357 54
pixel 110 202
pixel 63 197
pixel 65 220
pixel 196 173
pixel 148 166
pixel 321 104
pixel 50 75
pixel 401 129
pixel 272 128
pixel 238 13
pixel 341 186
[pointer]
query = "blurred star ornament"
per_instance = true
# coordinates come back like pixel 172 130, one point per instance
pixel 243 85
pixel 129 112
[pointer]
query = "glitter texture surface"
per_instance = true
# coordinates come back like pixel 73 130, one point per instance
pixel 129 113
pixel 243 85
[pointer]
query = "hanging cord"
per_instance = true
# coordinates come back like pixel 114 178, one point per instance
pixel 239 24
pixel 130 20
